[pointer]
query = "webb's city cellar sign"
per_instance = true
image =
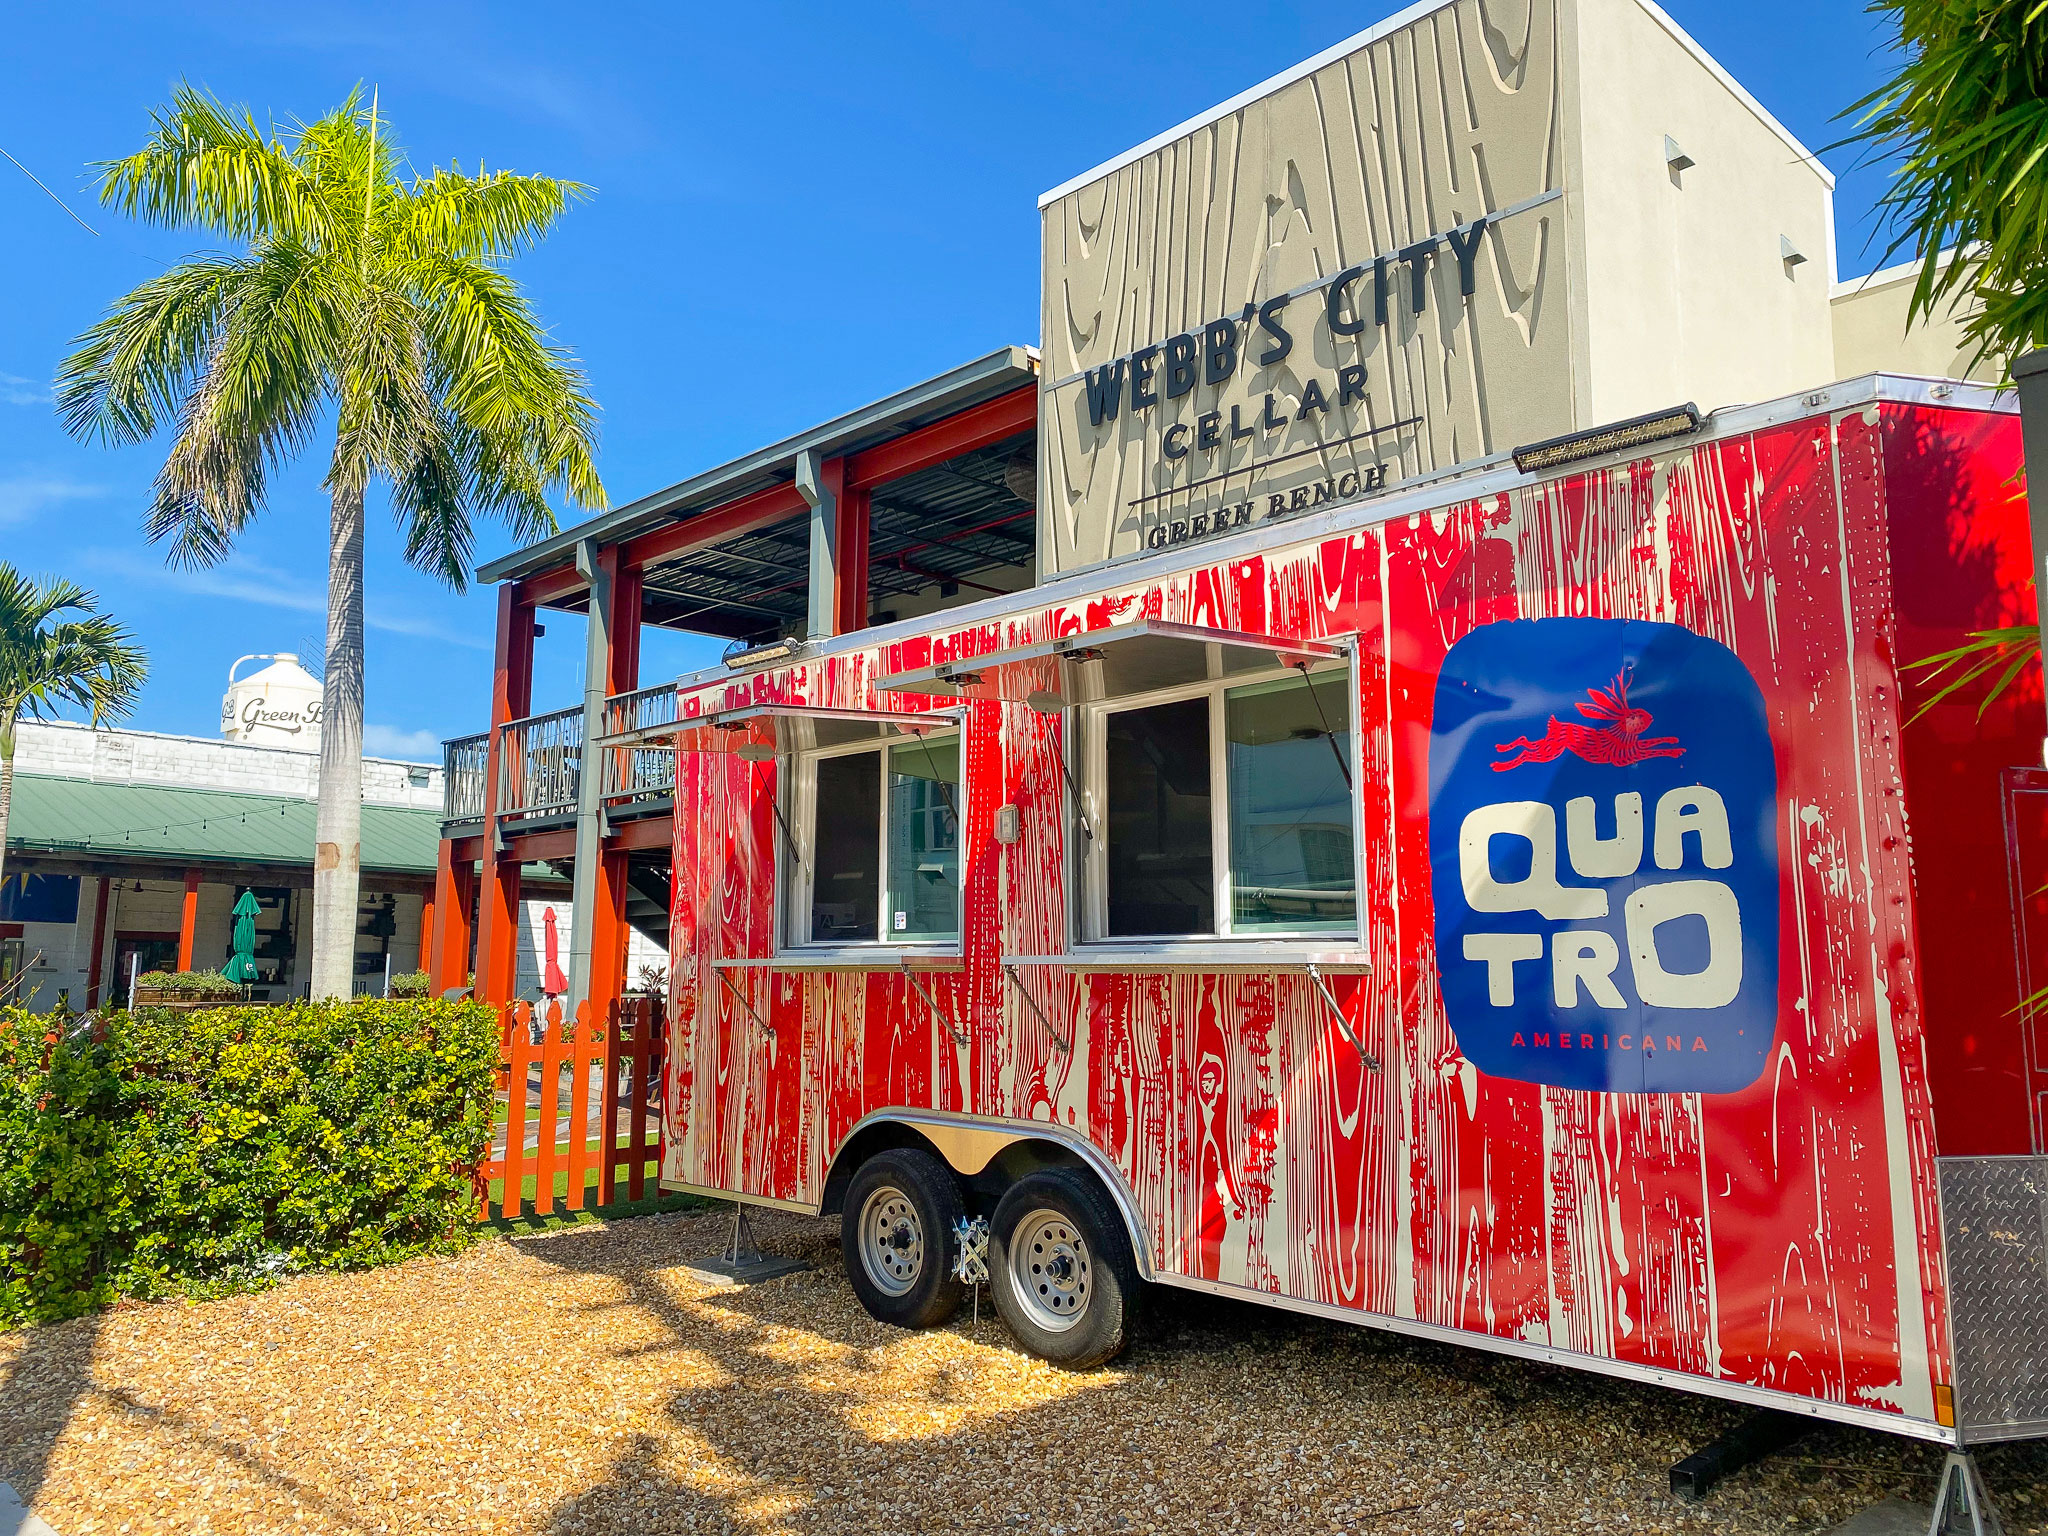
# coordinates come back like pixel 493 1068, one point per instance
pixel 1324 289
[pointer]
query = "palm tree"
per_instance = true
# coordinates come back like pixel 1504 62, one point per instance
pixel 48 659
pixel 1965 123
pixel 368 299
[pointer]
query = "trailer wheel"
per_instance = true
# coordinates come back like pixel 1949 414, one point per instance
pixel 1061 1268
pixel 896 1237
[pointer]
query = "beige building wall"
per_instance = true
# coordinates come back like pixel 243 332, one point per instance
pixel 1871 334
pixel 1611 279
pixel 1450 113
pixel 1687 293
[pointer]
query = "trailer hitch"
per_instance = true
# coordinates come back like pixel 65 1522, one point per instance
pixel 1065 1044
pixel 1315 975
pixel 759 1018
pixel 959 1038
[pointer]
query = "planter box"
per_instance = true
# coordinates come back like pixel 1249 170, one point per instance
pixel 150 997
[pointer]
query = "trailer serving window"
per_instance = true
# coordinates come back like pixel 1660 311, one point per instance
pixel 1225 809
pixel 877 840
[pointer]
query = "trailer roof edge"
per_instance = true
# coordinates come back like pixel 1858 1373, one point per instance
pixel 1485 477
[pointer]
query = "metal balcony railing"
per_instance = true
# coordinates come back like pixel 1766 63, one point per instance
pixel 635 770
pixel 541 759
pixel 462 777
pixel 639 773
pixel 625 713
pixel 540 764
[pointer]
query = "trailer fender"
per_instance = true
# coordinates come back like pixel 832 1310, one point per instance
pixel 970 1144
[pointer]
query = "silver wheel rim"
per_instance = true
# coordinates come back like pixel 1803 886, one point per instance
pixel 1051 1270
pixel 891 1241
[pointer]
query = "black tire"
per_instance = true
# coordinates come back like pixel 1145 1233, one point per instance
pixel 1071 1294
pixel 896 1238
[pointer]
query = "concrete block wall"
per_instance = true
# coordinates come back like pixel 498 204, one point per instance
pixel 65 750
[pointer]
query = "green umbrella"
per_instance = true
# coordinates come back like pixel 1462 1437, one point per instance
pixel 242 966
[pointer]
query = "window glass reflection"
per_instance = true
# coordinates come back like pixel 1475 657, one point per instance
pixel 1288 757
pixel 924 840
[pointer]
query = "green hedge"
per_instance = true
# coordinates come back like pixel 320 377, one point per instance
pixel 167 1151
pixel 188 983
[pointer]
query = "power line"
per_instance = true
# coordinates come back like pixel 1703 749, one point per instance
pixel 53 197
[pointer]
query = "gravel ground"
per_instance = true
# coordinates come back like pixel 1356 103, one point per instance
pixel 576 1381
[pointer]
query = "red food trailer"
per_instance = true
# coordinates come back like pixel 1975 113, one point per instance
pixel 1545 911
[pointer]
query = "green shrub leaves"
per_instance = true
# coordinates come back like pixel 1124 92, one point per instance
pixel 172 1151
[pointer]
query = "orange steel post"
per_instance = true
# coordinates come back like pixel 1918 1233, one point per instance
pixel 188 920
pixel 497 948
pixel 454 890
pixel 426 950
pixel 608 934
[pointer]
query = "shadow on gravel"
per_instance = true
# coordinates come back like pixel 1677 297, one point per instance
pixel 47 1376
pixel 1222 1415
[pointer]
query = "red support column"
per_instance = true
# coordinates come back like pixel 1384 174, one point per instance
pixel 853 561
pixel 188 920
pixel 447 962
pixel 622 674
pixel 608 935
pixel 426 949
pixel 95 966
pixel 497 941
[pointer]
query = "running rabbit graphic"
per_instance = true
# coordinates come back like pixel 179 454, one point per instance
pixel 1618 744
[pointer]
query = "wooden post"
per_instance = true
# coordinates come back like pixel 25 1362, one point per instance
pixel 582 1047
pixel 550 1112
pixel 188 920
pixel 497 943
pixel 95 965
pixel 520 1053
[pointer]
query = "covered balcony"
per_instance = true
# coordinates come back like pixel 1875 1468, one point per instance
pixel 913 504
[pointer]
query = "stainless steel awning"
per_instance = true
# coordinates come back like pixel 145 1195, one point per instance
pixel 1120 659
pixel 761 731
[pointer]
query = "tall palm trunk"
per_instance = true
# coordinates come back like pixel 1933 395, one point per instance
pixel 6 782
pixel 337 862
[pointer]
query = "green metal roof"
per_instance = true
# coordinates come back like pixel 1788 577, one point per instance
pixel 72 816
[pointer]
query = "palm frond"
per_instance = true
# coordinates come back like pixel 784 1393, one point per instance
pixel 209 166
pixel 1985 652
pixel 1965 123
pixel 134 368
pixel 505 379
pixel 47 660
pixel 254 404
pixel 489 214
pixel 365 290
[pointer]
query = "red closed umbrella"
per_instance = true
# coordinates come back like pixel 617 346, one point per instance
pixel 552 981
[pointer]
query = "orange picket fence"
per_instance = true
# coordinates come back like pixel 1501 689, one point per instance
pixel 582 1109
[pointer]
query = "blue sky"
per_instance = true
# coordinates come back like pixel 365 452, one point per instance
pixel 778 181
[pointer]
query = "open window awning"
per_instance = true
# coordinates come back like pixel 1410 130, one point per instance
pixel 762 731
pixel 1107 663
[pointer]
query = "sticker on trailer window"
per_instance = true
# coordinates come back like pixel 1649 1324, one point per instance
pixel 1604 856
